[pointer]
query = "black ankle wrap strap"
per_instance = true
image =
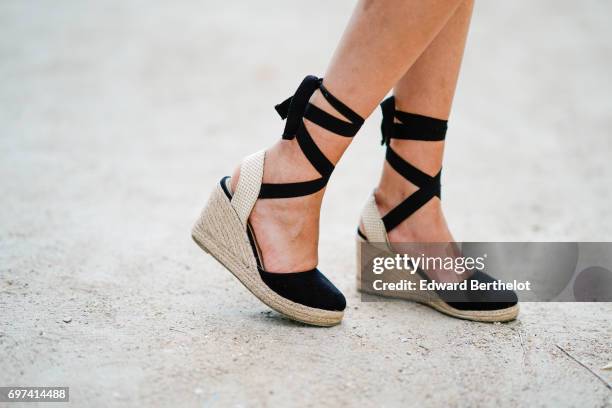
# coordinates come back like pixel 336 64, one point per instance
pixel 297 108
pixel 410 127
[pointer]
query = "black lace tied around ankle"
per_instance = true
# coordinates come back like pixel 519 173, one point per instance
pixel 410 127
pixel 297 108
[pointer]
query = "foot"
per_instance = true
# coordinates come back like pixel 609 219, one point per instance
pixel 427 224
pixel 286 230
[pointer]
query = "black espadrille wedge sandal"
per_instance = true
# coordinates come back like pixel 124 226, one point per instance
pixel 223 228
pixel 477 305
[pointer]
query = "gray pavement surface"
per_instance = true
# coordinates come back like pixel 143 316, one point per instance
pixel 117 118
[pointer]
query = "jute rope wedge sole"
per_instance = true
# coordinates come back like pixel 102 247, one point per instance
pixel 221 233
pixel 428 298
pixel 223 228
pixel 381 247
pixel 489 306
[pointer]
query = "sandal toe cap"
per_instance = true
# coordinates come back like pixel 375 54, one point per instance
pixel 309 288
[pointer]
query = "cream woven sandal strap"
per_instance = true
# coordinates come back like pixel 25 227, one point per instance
pixel 372 222
pixel 249 184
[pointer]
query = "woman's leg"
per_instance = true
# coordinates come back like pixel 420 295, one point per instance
pixel 383 39
pixel 426 89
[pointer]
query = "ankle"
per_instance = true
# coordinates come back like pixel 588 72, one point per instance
pixel 427 224
pixel 284 163
pixel 392 189
pixel 388 198
pixel 426 156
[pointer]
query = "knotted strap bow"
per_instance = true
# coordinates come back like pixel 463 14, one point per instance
pixel 296 108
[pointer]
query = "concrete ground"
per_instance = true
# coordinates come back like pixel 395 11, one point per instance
pixel 117 118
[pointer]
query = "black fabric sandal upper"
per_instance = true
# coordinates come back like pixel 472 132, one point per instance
pixel 309 288
pixel 476 299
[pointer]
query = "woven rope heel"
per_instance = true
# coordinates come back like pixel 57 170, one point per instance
pixel 224 232
pixel 372 235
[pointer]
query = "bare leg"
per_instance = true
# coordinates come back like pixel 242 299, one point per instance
pixel 382 40
pixel 426 89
